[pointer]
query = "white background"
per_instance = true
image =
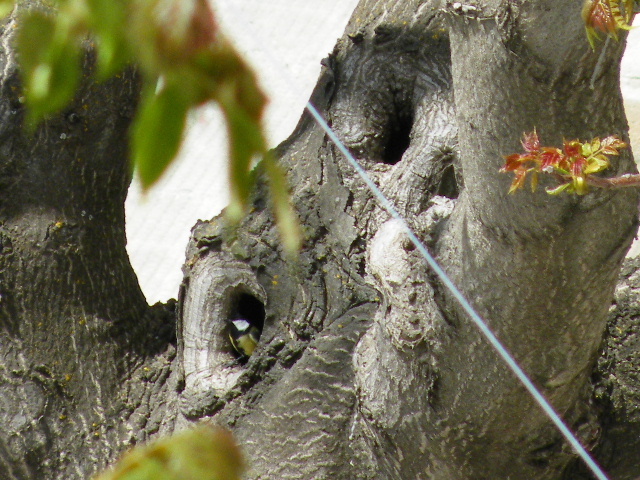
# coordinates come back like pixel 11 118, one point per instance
pixel 284 40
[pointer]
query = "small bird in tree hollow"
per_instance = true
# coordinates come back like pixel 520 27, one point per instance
pixel 244 337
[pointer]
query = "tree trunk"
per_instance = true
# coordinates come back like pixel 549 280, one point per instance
pixel 366 367
pixel 76 330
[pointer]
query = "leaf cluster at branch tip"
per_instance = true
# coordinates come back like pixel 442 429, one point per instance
pixel 571 166
pixel 607 16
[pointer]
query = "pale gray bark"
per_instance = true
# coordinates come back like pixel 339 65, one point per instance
pixel 431 399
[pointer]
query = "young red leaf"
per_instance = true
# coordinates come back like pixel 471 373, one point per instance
pixel 612 144
pixel 513 162
pixel 572 148
pixel 531 142
pixel 597 17
pixel 578 166
pixel 572 165
pixel 518 181
pixel 622 20
pixel 606 16
pixel 550 157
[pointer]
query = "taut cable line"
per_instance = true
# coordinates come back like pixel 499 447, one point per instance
pixel 547 408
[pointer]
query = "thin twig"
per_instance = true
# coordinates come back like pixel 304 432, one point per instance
pixel 626 180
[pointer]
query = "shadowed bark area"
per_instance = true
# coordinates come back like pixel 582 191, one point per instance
pixel 617 390
pixel 365 367
pixel 75 326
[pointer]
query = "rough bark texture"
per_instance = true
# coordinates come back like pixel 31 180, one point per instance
pixel 75 325
pixel 366 368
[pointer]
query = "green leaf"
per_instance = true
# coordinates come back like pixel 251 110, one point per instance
pixel 108 20
pixel 202 453
pixel 157 131
pixel 50 62
pixel 6 7
pixel 286 218
pixel 596 164
pixel 559 189
pixel 587 148
pixel 592 37
pixel 534 180
pixel 245 142
pixel 579 185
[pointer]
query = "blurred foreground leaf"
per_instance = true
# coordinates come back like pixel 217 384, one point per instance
pixel 107 19
pixel 177 41
pixel 202 453
pixel 245 142
pixel 286 218
pixel 157 132
pixel 50 61
pixel 6 6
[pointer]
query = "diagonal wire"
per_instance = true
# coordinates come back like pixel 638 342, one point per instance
pixel 464 303
pixel 444 278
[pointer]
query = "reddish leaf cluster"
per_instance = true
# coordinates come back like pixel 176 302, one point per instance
pixel 571 165
pixel 606 16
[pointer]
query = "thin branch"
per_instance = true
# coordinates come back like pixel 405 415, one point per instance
pixel 626 180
